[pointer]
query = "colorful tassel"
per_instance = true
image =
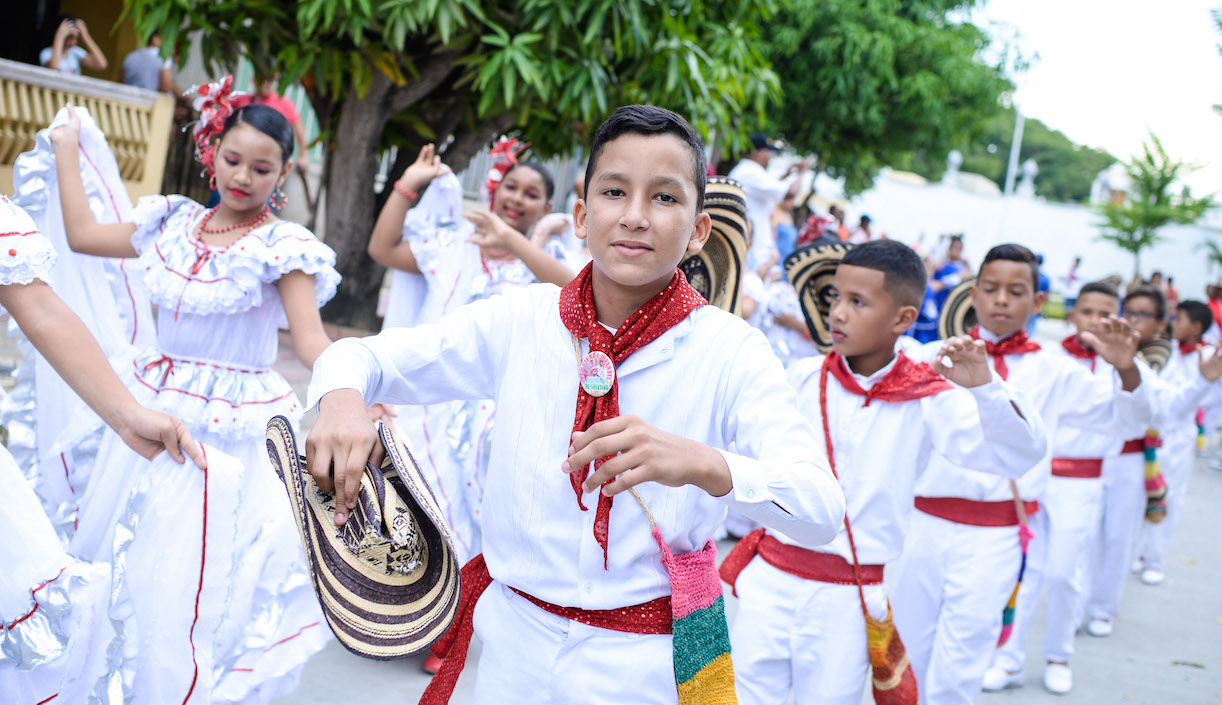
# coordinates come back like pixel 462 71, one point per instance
pixel 1201 430
pixel 1025 534
pixel 1156 483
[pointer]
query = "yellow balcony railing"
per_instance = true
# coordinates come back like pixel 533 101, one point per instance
pixel 136 121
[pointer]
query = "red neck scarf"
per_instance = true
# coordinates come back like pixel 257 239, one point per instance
pixel 1074 347
pixel 658 315
pixel 1017 344
pixel 1187 348
pixel 906 381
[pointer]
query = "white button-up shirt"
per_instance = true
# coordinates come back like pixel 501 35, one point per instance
pixel 763 191
pixel 711 378
pixel 1073 442
pixel 1063 393
pixel 882 449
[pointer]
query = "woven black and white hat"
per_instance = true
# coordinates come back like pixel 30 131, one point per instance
pixel 388 580
pixel 716 271
pixel 811 270
pixel 958 315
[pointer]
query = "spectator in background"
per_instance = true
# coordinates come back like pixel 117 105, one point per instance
pixel 950 273
pixel 861 233
pixel 783 227
pixel 1173 296
pixel 145 68
pixel 1073 283
pixel 1045 285
pixel 763 191
pixel 266 94
pixel 841 230
pixel 65 53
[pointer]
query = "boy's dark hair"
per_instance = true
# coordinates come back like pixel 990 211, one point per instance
pixel 1015 253
pixel 267 120
pixel 1197 312
pixel 1154 295
pixel 903 271
pixel 1099 288
pixel 650 120
pixel 549 184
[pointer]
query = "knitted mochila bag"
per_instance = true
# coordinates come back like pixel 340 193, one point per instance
pixel 892 678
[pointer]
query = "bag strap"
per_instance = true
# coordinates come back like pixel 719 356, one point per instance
pixel 1019 507
pixel 831 459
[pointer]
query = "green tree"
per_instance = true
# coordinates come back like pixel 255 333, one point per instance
pixel 1067 169
pixel 867 84
pixel 459 72
pixel 1133 225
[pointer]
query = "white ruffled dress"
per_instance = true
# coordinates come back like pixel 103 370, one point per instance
pixel 451 441
pixel 219 312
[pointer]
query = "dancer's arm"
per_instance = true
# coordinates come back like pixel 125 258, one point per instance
pixel 67 344
pixel 492 232
pixel 301 309
pixel 387 246
pixel 84 233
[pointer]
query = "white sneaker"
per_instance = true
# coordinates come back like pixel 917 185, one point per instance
pixel 1137 566
pixel 1058 678
pixel 1152 576
pixel 998 678
pixel 1099 627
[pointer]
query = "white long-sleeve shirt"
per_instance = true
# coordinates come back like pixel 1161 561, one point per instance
pixel 1063 393
pixel 1074 442
pixel 882 449
pixel 711 378
pixel 763 191
pixel 1179 390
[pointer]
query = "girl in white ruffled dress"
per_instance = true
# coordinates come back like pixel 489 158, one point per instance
pixel 224 281
pixel 54 632
pixel 463 258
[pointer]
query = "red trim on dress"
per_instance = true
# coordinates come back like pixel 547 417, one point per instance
pixel 203 554
pixel 35 609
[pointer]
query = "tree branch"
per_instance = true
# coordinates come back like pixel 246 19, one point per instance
pixel 435 71
pixel 458 154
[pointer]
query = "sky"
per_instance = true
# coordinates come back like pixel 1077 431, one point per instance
pixel 1107 72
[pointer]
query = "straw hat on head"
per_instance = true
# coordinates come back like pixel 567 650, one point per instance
pixel 388 580
pixel 716 271
pixel 811 270
pixel 958 316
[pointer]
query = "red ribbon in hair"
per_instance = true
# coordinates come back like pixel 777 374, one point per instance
pixel 504 154
pixel 215 105
pixel 658 315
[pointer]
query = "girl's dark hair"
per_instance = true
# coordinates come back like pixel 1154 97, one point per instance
pixel 549 184
pixel 267 120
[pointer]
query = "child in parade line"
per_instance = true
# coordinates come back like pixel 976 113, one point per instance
pixel 1073 501
pixel 963 551
pixel 462 258
pixel 225 280
pixel 560 554
pixel 53 623
pixel 799 627
pixel 1188 362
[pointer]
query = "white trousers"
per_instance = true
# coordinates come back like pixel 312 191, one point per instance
pixel 954 582
pixel 1123 513
pixel 799 636
pixel 534 657
pixel 1056 561
pixel 1177 458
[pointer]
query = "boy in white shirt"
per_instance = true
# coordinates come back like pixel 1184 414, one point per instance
pixel 800 627
pixel 963 549
pixel 691 380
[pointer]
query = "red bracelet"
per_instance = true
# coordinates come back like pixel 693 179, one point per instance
pixel 405 192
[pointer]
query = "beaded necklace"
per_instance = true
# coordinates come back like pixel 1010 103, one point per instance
pixel 246 225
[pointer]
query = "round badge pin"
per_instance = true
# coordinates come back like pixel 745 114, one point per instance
pixel 597 373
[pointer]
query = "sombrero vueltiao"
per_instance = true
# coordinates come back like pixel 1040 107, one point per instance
pixel 388 580
pixel 716 271
pixel 811 270
pixel 958 316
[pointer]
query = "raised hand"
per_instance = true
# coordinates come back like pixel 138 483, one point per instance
pixel 1211 365
pixel 1115 341
pixel 969 361
pixel 427 167
pixel 493 233
pixel 68 133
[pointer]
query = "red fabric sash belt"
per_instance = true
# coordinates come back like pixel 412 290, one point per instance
pixel 1083 468
pixel 653 617
pixel 974 513
pixel 795 560
pixel 1137 445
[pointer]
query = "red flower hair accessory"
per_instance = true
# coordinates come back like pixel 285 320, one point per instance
pixel 215 105
pixel 504 155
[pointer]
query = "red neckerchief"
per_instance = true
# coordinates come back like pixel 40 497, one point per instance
pixel 1016 344
pixel 1186 348
pixel 906 381
pixel 1074 347
pixel 658 315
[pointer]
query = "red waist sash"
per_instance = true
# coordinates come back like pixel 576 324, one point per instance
pixel 795 560
pixel 974 513
pixel 1080 468
pixel 1137 445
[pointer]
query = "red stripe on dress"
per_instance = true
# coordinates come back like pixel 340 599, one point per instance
pixel 40 702
pixel 31 612
pixel 97 171
pixel 203 553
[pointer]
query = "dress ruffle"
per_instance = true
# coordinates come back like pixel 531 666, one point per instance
pixel 185 274
pixel 225 399
pixel 25 254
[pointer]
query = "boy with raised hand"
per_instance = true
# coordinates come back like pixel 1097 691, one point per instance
pixel 576 606
pixel 1190 361
pixel 800 628
pixel 963 551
